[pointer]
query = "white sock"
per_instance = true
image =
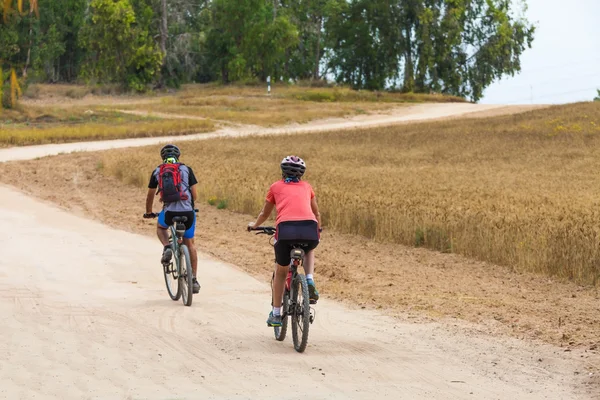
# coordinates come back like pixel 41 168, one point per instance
pixel 309 277
pixel 276 311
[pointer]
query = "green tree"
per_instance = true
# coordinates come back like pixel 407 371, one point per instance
pixel 249 38
pixel 597 98
pixel 362 39
pixel 308 16
pixel 119 49
pixel 16 38
pixel 58 54
pixel 456 47
pixel 185 45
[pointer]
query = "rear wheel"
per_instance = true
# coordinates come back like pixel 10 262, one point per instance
pixel 300 311
pixel 280 331
pixel 172 280
pixel 186 277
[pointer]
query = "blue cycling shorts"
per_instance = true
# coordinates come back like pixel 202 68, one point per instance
pixel 165 218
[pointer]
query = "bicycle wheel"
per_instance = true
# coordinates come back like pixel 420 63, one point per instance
pixel 300 311
pixel 186 277
pixel 280 331
pixel 172 280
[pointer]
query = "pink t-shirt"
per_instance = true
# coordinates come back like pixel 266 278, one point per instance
pixel 292 201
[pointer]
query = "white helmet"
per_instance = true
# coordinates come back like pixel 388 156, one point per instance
pixel 293 167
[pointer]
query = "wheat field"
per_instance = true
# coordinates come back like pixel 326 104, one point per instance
pixel 521 190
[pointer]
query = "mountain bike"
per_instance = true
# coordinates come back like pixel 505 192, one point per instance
pixel 179 277
pixel 296 303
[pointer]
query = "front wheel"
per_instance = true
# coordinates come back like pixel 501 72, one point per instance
pixel 172 280
pixel 186 276
pixel 300 312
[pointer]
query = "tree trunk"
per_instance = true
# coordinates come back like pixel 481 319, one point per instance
pixel 408 63
pixel 163 29
pixel 318 55
pixel 29 49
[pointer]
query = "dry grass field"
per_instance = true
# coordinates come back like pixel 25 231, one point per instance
pixel 64 113
pixel 520 190
pixel 286 104
pixel 41 126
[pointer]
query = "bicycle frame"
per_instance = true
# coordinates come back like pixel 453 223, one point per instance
pixel 297 261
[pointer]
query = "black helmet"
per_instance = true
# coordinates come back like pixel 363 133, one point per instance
pixel 293 167
pixel 170 150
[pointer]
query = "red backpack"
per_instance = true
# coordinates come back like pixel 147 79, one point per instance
pixel 170 185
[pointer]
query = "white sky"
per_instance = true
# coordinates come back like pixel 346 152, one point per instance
pixel 563 65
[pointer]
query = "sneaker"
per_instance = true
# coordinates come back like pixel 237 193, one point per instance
pixel 274 320
pixel 313 293
pixel 167 254
pixel 196 286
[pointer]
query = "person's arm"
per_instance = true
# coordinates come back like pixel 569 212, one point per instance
pixel 150 200
pixel 315 209
pixel 192 181
pixel 194 193
pixel 152 185
pixel 264 214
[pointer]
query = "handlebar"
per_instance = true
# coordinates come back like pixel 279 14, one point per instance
pixel 155 215
pixel 266 230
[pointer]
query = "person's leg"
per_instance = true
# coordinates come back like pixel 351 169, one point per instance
pixel 281 273
pixel 282 262
pixel 309 270
pixel 188 239
pixel 163 235
pixel 309 263
pixel 162 232
pixel 193 254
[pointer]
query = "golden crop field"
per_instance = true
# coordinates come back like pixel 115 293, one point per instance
pixel 520 190
pixel 60 131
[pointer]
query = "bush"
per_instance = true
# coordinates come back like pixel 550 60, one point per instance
pixel 77 92
pixel 32 91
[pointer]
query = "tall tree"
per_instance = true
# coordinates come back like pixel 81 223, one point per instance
pixel 119 49
pixel 245 40
pixel 362 37
pixel 452 46
pixel 16 36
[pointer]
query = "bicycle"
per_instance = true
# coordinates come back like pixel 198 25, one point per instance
pixel 296 303
pixel 179 278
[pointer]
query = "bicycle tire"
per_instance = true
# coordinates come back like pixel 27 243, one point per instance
pixel 186 277
pixel 172 279
pixel 281 331
pixel 300 313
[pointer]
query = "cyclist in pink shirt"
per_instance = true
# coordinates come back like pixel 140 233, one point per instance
pixel 298 221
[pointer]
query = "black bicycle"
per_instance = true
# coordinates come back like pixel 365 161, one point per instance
pixel 179 277
pixel 296 303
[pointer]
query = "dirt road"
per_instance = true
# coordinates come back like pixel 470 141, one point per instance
pixel 418 112
pixel 86 316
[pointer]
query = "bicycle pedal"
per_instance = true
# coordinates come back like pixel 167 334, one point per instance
pixel 313 315
pixel 313 301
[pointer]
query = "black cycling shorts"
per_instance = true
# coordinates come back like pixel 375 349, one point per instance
pixel 290 233
pixel 169 215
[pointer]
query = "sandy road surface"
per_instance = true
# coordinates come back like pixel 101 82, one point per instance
pixel 86 315
pixel 417 112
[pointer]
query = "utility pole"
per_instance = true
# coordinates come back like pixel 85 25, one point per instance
pixel 531 92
